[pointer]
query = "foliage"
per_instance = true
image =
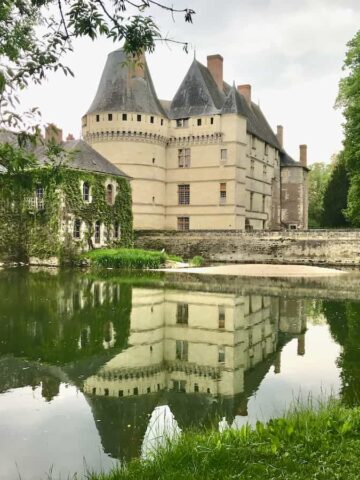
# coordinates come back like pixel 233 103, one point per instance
pixel 126 258
pixel 35 35
pixel 26 231
pixel 335 196
pixel 317 181
pixel 197 261
pixel 305 444
pixel 349 101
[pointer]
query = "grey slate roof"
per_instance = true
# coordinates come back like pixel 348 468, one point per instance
pixel 84 158
pixel 198 94
pixel 287 161
pixel 256 122
pixel 120 91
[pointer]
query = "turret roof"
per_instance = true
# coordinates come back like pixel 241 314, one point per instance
pixel 120 90
pixel 198 94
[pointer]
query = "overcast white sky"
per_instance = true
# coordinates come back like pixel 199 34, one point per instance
pixel 290 51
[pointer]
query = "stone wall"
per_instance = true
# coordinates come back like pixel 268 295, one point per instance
pixel 319 247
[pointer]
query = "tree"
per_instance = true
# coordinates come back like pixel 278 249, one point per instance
pixel 318 178
pixel 335 195
pixel 349 101
pixel 36 34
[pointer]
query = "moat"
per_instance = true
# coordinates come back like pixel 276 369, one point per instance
pixel 91 363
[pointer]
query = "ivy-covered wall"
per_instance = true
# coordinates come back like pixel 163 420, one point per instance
pixel 26 231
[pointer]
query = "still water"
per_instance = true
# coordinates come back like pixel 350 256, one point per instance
pixel 92 368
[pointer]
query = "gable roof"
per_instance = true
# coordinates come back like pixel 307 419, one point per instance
pixel 287 161
pixel 119 90
pixel 84 158
pixel 198 94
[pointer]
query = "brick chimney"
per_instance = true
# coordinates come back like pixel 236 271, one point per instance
pixel 70 137
pixel 280 135
pixel 53 134
pixel 215 65
pixel 303 155
pixel 245 90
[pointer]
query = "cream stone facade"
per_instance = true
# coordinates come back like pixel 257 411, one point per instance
pixel 208 160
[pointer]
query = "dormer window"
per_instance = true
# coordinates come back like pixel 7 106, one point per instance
pixel 110 117
pixel 86 192
pixel 109 194
pixel 138 118
pixel 182 122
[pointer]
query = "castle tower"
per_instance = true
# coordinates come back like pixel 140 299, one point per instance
pixel 127 125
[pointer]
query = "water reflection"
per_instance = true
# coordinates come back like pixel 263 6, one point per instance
pixel 134 354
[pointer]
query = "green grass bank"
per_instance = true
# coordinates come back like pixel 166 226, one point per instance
pixel 132 258
pixel 322 445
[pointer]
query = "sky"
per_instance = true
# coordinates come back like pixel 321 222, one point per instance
pixel 291 52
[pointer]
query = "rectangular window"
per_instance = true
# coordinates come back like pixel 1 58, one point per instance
pixel 199 122
pixel 251 200
pixel 184 156
pixel 221 316
pixel 110 117
pixel 263 202
pixel 253 142
pixel 222 193
pixel 212 121
pixel 84 120
pixel 162 122
pixel 151 119
pixel 182 313
pixel 252 168
pixel 121 393
pixel 266 149
pixel 138 118
pixel 136 391
pixel 224 154
pixel 77 228
pixel 183 223
pixel 184 194
pixel 264 170
pixel 221 355
pixel 196 388
pixel 182 122
pixel 98 118
pixel 182 350
pixel 179 385
pixel 97 232
pixel 124 116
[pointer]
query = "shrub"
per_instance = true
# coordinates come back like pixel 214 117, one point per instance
pixel 126 258
pixel 197 261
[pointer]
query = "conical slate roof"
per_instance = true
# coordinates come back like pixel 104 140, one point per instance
pixel 120 90
pixel 198 94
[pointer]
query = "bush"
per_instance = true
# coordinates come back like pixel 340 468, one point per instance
pixel 197 261
pixel 126 258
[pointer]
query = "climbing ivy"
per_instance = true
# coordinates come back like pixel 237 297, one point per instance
pixel 26 231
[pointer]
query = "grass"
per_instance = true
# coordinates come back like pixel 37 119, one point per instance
pixel 304 445
pixel 197 261
pixel 129 258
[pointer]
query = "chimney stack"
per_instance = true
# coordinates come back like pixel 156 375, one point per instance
pixel 53 134
pixel 280 135
pixel 215 65
pixel 303 155
pixel 245 90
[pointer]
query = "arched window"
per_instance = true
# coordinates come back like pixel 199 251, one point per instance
pixel 97 232
pixel 77 228
pixel 109 194
pixel 86 192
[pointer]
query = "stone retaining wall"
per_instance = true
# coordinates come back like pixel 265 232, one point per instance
pixel 311 247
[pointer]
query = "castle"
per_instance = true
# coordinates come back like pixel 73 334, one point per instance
pixel 207 160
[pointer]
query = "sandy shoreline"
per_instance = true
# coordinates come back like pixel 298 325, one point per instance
pixel 261 270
